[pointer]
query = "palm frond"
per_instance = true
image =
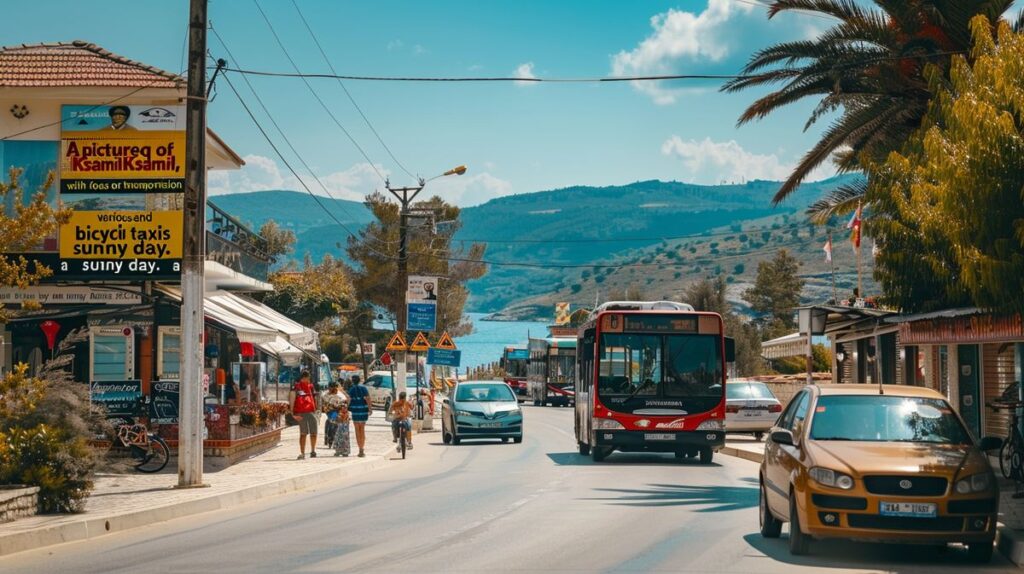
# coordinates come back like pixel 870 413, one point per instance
pixel 841 200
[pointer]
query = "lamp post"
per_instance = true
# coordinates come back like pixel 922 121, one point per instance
pixel 405 196
pixel 812 321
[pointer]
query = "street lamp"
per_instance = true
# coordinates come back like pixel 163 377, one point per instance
pixel 405 195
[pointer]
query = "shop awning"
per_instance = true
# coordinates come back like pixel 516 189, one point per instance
pixel 289 354
pixel 792 345
pixel 248 330
pixel 297 334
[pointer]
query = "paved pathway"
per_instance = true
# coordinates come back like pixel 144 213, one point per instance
pixel 121 501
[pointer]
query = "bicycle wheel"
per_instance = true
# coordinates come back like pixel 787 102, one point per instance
pixel 1004 458
pixel 156 458
pixel 402 440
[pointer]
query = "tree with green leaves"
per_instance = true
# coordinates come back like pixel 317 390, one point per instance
pixel 23 230
pixel 949 210
pixel 776 292
pixel 431 252
pixel 280 241
pixel 871 67
pixel 316 293
pixel 710 295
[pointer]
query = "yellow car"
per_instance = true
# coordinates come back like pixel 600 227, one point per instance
pixel 888 464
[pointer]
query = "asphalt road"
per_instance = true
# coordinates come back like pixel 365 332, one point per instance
pixel 492 507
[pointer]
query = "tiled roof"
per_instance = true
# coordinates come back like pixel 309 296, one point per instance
pixel 77 63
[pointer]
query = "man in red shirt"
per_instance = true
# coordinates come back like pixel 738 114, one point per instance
pixel 303 398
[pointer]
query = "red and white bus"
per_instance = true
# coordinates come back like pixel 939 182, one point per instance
pixel 514 361
pixel 651 377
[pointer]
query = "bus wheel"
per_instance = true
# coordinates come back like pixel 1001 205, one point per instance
pixel 681 454
pixel 597 453
pixel 706 455
pixel 584 448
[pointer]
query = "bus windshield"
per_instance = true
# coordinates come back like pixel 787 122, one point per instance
pixel 515 368
pixel 562 369
pixel 682 372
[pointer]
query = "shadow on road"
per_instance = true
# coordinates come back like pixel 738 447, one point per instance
pixel 895 558
pixel 625 459
pixel 716 498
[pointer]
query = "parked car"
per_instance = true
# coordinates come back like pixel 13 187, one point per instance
pixel 891 464
pixel 381 387
pixel 750 406
pixel 481 409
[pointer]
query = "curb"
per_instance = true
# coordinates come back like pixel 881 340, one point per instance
pixel 741 453
pixel 88 527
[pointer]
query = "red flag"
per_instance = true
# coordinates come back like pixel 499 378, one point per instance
pixel 828 250
pixel 854 225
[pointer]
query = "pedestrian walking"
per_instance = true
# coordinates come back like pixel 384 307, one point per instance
pixel 303 400
pixel 342 441
pixel 332 402
pixel 361 409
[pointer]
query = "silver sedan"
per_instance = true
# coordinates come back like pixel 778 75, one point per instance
pixel 481 409
pixel 750 407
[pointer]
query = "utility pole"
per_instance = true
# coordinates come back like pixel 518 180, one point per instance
pixel 404 195
pixel 190 427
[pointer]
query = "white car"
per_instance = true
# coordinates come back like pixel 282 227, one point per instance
pixel 750 407
pixel 381 388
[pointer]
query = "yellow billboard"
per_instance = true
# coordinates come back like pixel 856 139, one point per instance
pixel 122 243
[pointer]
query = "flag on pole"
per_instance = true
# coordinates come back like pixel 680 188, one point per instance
pixel 828 250
pixel 854 227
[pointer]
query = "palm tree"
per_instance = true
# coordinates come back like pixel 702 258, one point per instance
pixel 873 66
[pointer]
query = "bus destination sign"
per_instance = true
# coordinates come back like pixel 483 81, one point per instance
pixel 659 324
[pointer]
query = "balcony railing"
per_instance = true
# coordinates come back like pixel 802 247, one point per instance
pixel 232 244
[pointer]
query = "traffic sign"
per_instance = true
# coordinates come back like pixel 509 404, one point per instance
pixel 385 359
pixel 422 316
pixel 420 343
pixel 397 343
pixel 444 357
pixel 445 342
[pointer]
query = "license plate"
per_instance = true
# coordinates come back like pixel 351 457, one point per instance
pixel 491 425
pixel 659 436
pixel 755 413
pixel 912 509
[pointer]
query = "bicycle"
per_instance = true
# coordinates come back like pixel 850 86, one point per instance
pixel 1012 451
pixel 403 434
pixel 150 452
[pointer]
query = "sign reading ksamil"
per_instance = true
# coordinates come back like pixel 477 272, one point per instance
pixel 112 244
pixel 122 149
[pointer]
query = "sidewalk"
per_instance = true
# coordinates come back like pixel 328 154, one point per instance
pixel 123 501
pixel 743 446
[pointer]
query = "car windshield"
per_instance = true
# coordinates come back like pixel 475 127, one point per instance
pixel 747 390
pixel 483 393
pixel 881 418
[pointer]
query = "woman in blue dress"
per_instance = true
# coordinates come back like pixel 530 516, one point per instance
pixel 360 408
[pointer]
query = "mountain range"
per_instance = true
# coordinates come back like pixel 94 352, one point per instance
pixel 574 244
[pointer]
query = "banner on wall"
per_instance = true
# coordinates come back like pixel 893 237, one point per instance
pixel 122 149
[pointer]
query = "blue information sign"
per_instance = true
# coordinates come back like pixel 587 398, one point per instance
pixel 444 357
pixel 422 316
pixel 517 354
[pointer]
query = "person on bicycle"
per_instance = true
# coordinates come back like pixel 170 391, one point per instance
pixel 401 416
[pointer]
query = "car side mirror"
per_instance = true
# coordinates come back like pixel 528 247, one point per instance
pixel 782 437
pixel 990 443
pixel 447 402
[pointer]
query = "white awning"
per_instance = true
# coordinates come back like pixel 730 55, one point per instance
pixel 289 354
pixel 792 345
pixel 248 330
pixel 298 335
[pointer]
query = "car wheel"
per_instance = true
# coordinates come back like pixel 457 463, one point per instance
pixel 771 527
pixel 446 437
pixel 517 439
pixel 584 448
pixel 706 455
pixel 758 436
pixel 456 440
pixel 799 543
pixel 980 552
pixel 597 453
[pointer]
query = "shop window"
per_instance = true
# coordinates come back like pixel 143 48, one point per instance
pixel 168 353
pixel 36 159
pixel 112 353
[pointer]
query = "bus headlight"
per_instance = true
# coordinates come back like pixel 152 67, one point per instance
pixel 712 425
pixel 607 424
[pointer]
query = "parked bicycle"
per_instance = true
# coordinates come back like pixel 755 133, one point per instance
pixel 149 452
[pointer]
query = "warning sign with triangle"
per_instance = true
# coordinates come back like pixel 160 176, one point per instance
pixel 420 343
pixel 445 342
pixel 397 343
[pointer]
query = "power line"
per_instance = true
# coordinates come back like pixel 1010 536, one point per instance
pixel 347 93
pixel 280 131
pixel 597 79
pixel 315 95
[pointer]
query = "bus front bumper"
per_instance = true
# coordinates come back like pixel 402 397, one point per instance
pixel 628 440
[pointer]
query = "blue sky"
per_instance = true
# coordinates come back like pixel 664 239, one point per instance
pixel 514 138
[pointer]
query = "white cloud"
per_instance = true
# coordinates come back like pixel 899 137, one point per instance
pixel 525 71
pixel 681 36
pixel 419 50
pixel 395 45
pixel 355 183
pixel 713 162
pixel 262 173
